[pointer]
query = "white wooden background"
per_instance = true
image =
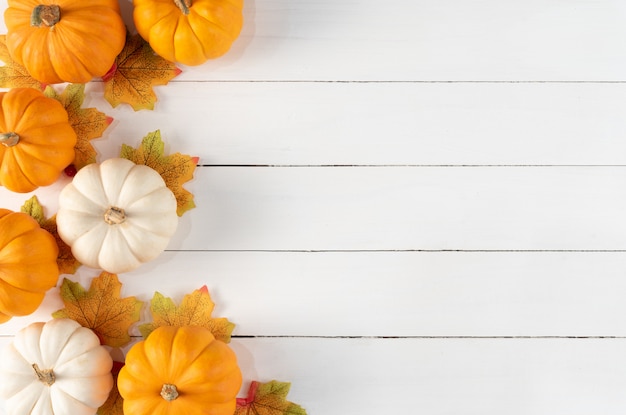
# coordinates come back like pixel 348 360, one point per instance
pixel 412 206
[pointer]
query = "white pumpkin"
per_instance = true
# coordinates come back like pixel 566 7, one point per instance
pixel 116 215
pixel 55 368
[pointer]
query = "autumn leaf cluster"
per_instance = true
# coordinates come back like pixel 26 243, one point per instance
pixel 131 80
pixel 102 309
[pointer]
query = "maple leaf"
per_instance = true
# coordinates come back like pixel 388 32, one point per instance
pixel 65 260
pixel 100 308
pixel 175 169
pixel 137 69
pixel 114 403
pixel 88 123
pixel 268 399
pixel 14 75
pixel 194 310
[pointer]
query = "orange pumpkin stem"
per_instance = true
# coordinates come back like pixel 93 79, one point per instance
pixel 169 392
pixel 9 139
pixel 183 5
pixel 45 376
pixel 46 15
pixel 114 215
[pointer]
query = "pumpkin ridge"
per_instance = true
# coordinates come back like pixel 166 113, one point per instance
pixel 33 152
pixel 65 58
pixel 16 302
pixel 20 176
pixel 28 282
pixel 26 223
pixel 95 62
pixel 68 396
pixel 20 99
pixel 129 206
pixel 192 29
pixel 55 114
pixel 32 175
pixel 214 25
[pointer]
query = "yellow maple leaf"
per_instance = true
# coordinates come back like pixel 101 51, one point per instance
pixel 100 308
pixel 137 69
pixel 194 310
pixel 176 169
pixel 268 399
pixel 65 260
pixel 14 75
pixel 88 123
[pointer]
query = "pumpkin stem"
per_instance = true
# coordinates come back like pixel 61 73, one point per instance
pixel 45 376
pixel 46 15
pixel 183 5
pixel 9 139
pixel 169 392
pixel 114 215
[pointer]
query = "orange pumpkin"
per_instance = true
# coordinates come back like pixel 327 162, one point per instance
pixel 28 264
pixel 180 371
pixel 37 140
pixel 189 31
pixel 64 40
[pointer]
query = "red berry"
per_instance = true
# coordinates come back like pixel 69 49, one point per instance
pixel 71 170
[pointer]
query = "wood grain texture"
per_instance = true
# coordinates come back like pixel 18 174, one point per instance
pixel 398 208
pixel 287 123
pixel 388 293
pixel 449 40
pixel 405 207
pixel 439 376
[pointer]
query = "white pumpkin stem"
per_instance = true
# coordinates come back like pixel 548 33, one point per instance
pixel 45 376
pixel 114 215
pixel 183 5
pixel 169 392
pixel 46 15
pixel 9 139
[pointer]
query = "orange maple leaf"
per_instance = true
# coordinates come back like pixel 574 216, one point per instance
pixel 176 169
pixel 268 399
pixel 14 75
pixel 65 260
pixel 88 123
pixel 194 310
pixel 137 69
pixel 114 403
pixel 100 308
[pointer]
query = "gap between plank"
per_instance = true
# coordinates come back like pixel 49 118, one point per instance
pixel 409 165
pixel 378 81
pixel 432 337
pixel 314 251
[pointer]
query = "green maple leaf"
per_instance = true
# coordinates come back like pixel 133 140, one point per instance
pixel 88 123
pixel 268 399
pixel 65 260
pixel 194 310
pixel 176 169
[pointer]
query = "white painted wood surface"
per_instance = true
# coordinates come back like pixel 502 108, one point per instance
pixel 405 207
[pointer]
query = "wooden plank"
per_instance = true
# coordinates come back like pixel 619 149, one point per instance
pixel 379 123
pixel 425 40
pixel 441 376
pixel 400 208
pixel 538 40
pixel 388 293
